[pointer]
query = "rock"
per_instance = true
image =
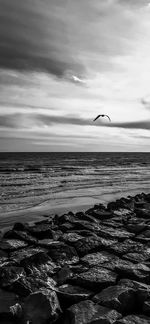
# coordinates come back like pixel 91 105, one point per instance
pixel 146 307
pixel 70 238
pixel 142 291
pixel 63 254
pixel 86 312
pixel 41 307
pixel 12 245
pixel 63 275
pixel 142 213
pixel 20 235
pixel 111 233
pixel 137 257
pixel 99 258
pixel 101 214
pixel 7 299
pixel 91 244
pixel 129 270
pixel 66 227
pixel 134 319
pixel 95 278
pixel 123 299
pixel 10 274
pixel 20 226
pixel 69 295
pixel 28 256
pixel 126 247
pixel 41 231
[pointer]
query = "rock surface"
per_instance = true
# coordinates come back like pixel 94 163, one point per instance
pixel 83 268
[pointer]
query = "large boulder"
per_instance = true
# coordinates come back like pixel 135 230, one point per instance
pixel 95 278
pixel 69 295
pixel 121 298
pixel 86 312
pixel 63 254
pixel 134 319
pixel 92 244
pixel 41 307
pixel 12 244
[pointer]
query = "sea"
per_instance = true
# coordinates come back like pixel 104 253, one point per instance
pixel 30 179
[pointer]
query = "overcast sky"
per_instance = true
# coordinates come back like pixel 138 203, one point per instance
pixel 62 62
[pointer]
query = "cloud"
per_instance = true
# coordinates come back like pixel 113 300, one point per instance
pixel 31 120
pixel 62 37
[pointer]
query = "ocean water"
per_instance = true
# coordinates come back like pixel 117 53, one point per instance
pixel 29 179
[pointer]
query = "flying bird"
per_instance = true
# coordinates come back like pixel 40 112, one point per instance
pixel 102 116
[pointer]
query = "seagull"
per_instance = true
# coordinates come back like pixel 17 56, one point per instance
pixel 102 116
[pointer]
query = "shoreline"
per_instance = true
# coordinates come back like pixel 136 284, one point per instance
pixel 59 207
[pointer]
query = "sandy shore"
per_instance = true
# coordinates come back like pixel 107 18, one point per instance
pixel 59 206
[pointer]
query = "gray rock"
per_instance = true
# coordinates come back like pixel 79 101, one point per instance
pixel 95 278
pixel 69 295
pixel 121 298
pixel 41 307
pixel 12 245
pixel 86 312
pixel 134 319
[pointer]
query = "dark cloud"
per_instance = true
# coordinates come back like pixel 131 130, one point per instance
pixel 30 120
pixel 33 36
pixel 62 37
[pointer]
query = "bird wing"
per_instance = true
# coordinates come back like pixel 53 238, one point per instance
pixel 97 117
pixel 108 117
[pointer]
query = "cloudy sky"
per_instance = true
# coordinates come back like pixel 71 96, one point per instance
pixel 62 62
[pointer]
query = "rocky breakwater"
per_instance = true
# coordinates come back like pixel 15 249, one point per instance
pixel 83 268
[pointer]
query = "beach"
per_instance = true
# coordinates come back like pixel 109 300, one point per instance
pixel 85 266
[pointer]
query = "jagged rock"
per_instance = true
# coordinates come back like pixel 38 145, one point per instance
pixel 20 226
pixel 87 217
pixel 138 257
pixel 28 256
pixel 100 214
pixel 126 247
pixel 135 225
pixel 129 270
pixel 144 236
pixel 10 274
pixel 123 299
pixel 91 243
pixel 89 313
pixel 111 233
pixel 7 299
pixel 69 295
pixel 41 307
pixel 142 212
pixel 70 238
pixel 12 245
pixel 63 254
pixel 99 258
pixel 78 268
pixel 142 290
pixel 66 227
pixel 63 275
pixel 41 231
pixel 134 319
pixel 95 278
pixel 20 235
pixel 146 307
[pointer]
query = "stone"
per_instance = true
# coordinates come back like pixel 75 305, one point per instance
pixel 86 312
pixel 126 246
pixel 63 275
pixel 129 270
pixel 27 256
pixel 12 245
pixel 70 238
pixel 146 307
pixel 91 244
pixel 137 257
pixel 41 307
pixel 95 278
pixel 98 258
pixel 68 295
pixel 41 231
pixel 121 298
pixel 134 319
pixel 20 235
pixel 7 299
pixel 10 274
pixel 63 254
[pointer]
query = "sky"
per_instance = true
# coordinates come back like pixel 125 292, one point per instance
pixel 63 62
